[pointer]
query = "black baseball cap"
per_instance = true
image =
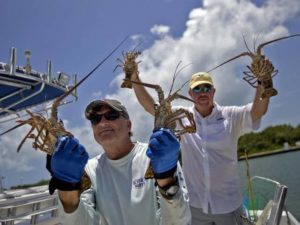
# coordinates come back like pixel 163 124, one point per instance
pixel 96 105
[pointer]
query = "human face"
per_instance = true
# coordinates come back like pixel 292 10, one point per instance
pixel 110 127
pixel 203 95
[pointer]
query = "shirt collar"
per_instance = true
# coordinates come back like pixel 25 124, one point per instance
pixel 125 159
pixel 211 115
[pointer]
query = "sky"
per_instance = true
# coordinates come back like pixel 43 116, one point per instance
pixel 77 34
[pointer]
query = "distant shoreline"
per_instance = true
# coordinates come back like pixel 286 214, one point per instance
pixel 268 153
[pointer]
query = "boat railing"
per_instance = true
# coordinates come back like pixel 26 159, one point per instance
pixel 272 212
pixel 39 208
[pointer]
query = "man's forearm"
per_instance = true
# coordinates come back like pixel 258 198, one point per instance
pixel 260 106
pixel 143 96
pixel 165 182
pixel 70 200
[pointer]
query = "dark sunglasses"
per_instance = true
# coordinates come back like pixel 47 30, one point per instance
pixel 110 115
pixel 203 89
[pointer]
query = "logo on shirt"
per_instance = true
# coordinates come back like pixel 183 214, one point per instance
pixel 139 183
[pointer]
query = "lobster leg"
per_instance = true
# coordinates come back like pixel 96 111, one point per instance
pixel 40 130
pixel 186 129
pixel 22 142
pixel 184 97
pixel 154 86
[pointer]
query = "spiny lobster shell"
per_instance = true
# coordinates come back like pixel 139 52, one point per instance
pixel 129 66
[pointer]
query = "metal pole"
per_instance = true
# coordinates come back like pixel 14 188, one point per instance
pixel 279 201
pixel 1 184
pixel 13 61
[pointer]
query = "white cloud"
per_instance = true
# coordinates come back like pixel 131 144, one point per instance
pixel 97 95
pixel 160 30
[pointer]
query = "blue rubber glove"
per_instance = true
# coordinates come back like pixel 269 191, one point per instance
pixel 163 152
pixel 66 164
pixel 68 160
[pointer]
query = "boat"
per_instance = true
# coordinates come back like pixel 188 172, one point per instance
pixel 21 87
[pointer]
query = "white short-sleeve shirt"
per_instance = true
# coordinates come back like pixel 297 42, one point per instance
pixel 209 157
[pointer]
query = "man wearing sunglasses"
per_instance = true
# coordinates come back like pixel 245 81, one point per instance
pixel 209 155
pixel 119 193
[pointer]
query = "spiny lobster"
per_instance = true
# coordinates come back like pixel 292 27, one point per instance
pixel 164 117
pixel 261 69
pixel 129 65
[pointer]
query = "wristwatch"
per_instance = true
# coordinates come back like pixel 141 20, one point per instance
pixel 170 190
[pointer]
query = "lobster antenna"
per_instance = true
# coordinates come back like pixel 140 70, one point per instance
pixel 11 129
pixel 255 41
pixel 249 53
pixel 174 77
pixel 182 86
pixel 246 43
pixel 182 68
pixel 229 60
pixel 92 71
pixel 137 45
pixel 277 39
pixel 184 82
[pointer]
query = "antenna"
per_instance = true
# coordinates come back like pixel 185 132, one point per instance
pixel 13 61
pixel 28 65
pixel 49 71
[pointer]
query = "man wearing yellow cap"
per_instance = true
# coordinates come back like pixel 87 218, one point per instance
pixel 209 156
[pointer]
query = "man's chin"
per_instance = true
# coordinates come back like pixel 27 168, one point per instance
pixel 106 142
pixel 106 137
pixel 203 103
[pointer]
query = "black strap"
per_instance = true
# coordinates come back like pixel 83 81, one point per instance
pixel 167 174
pixel 62 185
pixel 165 190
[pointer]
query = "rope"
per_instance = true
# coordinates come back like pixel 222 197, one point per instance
pixel 250 189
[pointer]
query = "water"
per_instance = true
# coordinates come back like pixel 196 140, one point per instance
pixel 284 168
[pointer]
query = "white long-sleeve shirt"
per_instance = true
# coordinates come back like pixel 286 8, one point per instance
pixel 209 157
pixel 120 195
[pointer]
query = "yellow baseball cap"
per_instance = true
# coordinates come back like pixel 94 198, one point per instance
pixel 200 78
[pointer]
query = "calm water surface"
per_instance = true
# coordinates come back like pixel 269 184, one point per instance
pixel 284 168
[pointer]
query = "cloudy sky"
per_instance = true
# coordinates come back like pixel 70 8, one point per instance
pixel 76 35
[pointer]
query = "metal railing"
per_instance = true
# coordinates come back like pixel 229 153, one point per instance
pixel 274 210
pixel 38 208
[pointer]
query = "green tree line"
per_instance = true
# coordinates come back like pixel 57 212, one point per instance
pixel 271 138
pixel 24 186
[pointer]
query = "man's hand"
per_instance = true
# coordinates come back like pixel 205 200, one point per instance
pixel 163 151
pixel 67 164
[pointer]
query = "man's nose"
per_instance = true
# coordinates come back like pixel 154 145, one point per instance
pixel 103 120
